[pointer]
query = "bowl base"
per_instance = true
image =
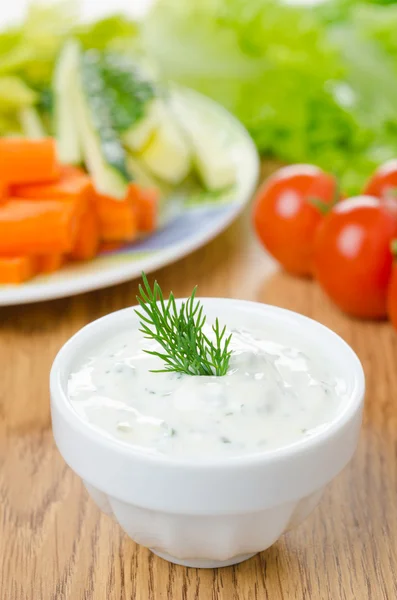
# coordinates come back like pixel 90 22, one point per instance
pixel 202 563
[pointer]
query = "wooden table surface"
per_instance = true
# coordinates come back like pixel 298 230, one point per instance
pixel 54 542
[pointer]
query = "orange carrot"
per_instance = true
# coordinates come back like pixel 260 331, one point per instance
pixel 17 269
pixel 49 263
pixel 72 182
pixel 3 189
pixel 24 160
pixel 117 219
pixel 72 170
pixel 109 246
pixel 145 202
pixel 36 227
pixel 87 241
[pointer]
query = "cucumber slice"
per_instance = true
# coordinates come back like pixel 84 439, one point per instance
pixel 214 167
pixel 103 152
pixel 142 120
pixel 64 113
pixel 211 157
pixel 31 123
pixel 140 173
pixel 135 100
pixel 138 135
pixel 133 93
pixel 168 154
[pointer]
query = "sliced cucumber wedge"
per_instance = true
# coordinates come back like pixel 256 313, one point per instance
pixel 135 100
pixel 136 137
pixel 104 155
pixel 211 157
pixel 213 165
pixel 64 110
pixel 141 175
pixel 31 123
pixel 168 155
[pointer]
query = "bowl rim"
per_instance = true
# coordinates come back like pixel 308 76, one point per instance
pixel 60 398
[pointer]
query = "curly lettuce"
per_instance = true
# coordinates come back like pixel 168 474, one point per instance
pixel 311 84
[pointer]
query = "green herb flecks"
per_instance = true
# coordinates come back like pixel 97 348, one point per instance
pixel 179 332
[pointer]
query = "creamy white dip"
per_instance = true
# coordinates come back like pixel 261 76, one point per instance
pixel 272 396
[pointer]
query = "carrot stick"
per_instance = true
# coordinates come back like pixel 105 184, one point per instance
pixel 109 246
pixel 17 269
pixel 3 190
pixel 145 202
pixel 24 160
pixel 38 227
pixel 117 219
pixel 72 170
pixel 87 241
pixel 71 182
pixel 49 263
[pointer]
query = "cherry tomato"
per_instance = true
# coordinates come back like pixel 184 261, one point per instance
pixel 383 182
pixel 352 255
pixel 288 208
pixel 392 293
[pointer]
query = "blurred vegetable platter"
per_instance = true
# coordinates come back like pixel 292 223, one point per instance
pixel 313 83
pixel 90 143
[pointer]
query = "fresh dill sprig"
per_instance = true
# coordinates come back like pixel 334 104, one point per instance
pixel 179 332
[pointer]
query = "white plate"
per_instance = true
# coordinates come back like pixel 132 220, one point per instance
pixel 198 221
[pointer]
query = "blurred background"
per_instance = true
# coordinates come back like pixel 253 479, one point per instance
pixel 312 80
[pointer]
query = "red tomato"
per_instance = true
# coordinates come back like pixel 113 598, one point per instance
pixel 383 182
pixel 352 255
pixel 392 293
pixel 288 208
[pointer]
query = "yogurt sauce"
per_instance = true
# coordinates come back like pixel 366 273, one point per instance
pixel 272 396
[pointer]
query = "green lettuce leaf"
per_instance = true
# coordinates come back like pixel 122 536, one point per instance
pixel 306 82
pixel 111 33
pixel 14 93
pixel 32 48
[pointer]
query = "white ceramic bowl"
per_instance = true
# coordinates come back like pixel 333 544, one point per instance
pixel 218 512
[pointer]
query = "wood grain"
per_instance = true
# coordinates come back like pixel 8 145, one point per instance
pixel 55 544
